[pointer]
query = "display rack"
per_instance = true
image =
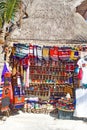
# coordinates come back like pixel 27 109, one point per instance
pixel 51 79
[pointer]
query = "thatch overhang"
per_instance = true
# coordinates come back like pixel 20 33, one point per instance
pixel 52 20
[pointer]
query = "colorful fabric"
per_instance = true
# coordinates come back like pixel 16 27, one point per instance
pixel 31 51
pixel 16 91
pixel 18 101
pixel 19 81
pixel 7 88
pixel 80 74
pixel 64 54
pixel 39 52
pixel 74 55
pixel 45 53
pixel 24 81
pixel 24 63
pixel 35 50
pixel 1 90
pixel 5 69
pixel 21 50
pixel 82 63
pixel 8 74
pixel 35 55
pixel 69 66
pixel 54 53
pixel 27 76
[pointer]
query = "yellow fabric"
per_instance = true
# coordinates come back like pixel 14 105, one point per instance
pixel 72 56
pixel 45 52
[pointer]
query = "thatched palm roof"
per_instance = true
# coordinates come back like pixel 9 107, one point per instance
pixel 82 9
pixel 52 20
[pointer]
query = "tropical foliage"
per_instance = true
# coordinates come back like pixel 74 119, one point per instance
pixel 8 9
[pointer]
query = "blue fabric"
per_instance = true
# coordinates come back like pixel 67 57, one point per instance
pixel 18 106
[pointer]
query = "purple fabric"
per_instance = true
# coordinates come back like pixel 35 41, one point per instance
pixel 5 69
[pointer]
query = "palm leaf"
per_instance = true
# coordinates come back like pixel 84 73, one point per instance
pixel 1 21
pixel 11 8
pixel 8 8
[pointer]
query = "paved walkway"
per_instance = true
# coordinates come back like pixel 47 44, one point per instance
pixel 26 121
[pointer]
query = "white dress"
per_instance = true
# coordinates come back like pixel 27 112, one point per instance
pixel 81 93
pixel 81 103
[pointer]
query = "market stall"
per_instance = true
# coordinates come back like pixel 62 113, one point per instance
pixel 46 72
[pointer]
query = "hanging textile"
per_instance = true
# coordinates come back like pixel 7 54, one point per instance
pixel 18 101
pixel 27 76
pixel 81 103
pixel 82 64
pixel 45 53
pixel 64 53
pixel 54 53
pixel 1 90
pixel 31 54
pixel 35 54
pixel 7 94
pixel 24 79
pixel 74 55
pixel 5 69
pixel 21 50
pixel 80 74
pixel 14 67
pixel 69 66
pixel 39 52
pixel 31 51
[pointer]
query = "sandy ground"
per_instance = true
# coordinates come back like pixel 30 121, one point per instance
pixel 26 121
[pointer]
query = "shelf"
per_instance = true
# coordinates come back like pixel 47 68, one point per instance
pixel 63 84
pixel 46 66
pixel 38 90
pixel 48 75
pixel 41 83
pixel 42 74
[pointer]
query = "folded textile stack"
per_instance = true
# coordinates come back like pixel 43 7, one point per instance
pixel 66 104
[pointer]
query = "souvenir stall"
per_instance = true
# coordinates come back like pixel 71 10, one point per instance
pixel 52 75
pixel 13 78
pixel 46 73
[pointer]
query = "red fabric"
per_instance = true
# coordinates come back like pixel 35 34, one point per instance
pixel 54 52
pixel 80 74
pixel 24 61
pixel 18 99
pixel 64 53
pixel 70 67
